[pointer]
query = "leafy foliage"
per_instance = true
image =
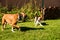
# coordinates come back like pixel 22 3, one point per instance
pixel 28 9
pixel 3 10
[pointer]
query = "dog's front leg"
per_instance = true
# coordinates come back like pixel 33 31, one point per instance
pixel 36 23
pixel 12 29
pixel 40 24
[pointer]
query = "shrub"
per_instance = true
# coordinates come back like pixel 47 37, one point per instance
pixel 1 17
pixel 3 10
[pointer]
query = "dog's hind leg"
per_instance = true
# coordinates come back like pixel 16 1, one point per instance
pixel 3 23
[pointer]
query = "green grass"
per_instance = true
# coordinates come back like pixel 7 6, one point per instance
pixel 51 31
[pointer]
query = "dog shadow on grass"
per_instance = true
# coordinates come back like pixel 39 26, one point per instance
pixel 29 28
pixel 24 28
pixel 44 24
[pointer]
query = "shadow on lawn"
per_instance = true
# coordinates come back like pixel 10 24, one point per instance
pixel 28 28
pixel 44 24
pixel 23 29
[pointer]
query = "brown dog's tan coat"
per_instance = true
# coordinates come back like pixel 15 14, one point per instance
pixel 10 19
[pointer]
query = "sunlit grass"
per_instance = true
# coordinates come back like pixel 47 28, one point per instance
pixel 51 31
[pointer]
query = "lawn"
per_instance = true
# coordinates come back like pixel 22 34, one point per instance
pixel 50 31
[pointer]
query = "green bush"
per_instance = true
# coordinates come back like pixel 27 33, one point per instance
pixel 3 10
pixel 30 10
pixel 1 17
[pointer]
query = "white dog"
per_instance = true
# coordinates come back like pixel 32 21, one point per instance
pixel 37 21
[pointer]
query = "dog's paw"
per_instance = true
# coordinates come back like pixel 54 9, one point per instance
pixel 12 31
pixel 42 25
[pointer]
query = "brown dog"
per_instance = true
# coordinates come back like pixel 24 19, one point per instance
pixel 11 19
